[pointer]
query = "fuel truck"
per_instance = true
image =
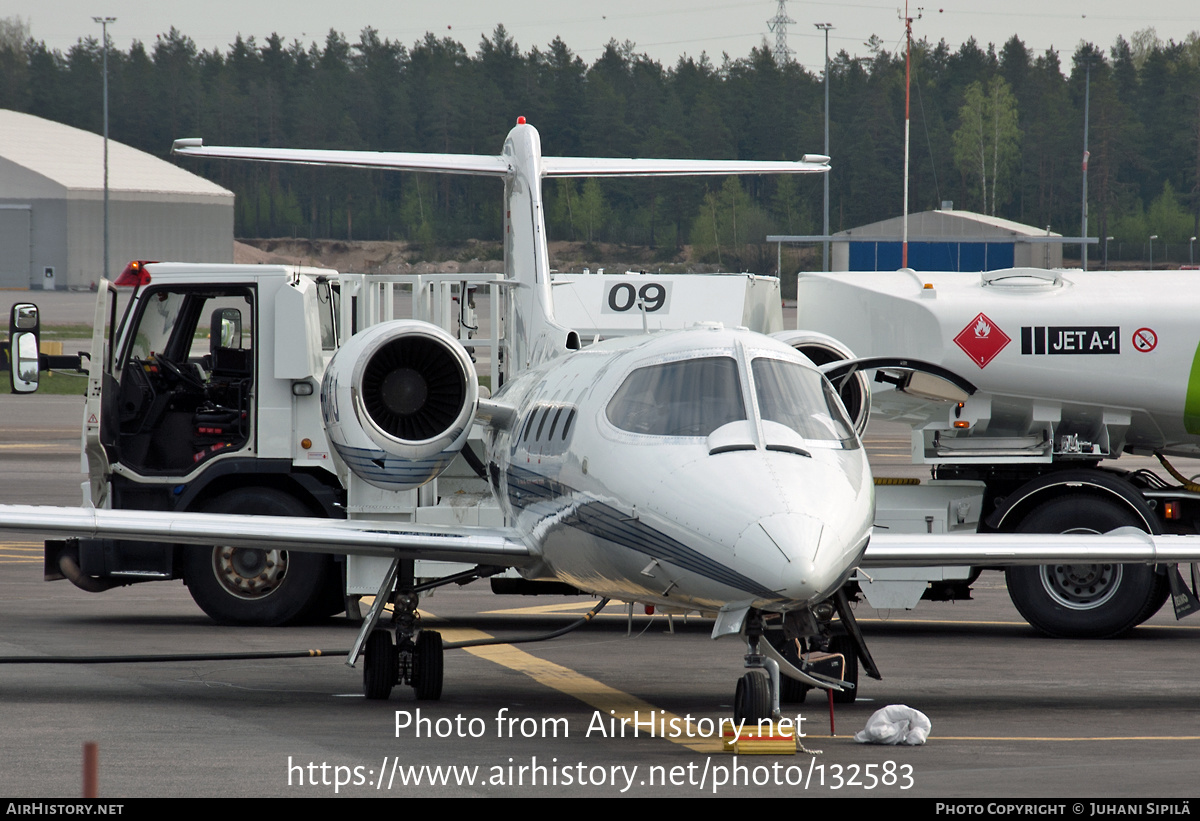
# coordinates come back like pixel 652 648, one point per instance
pixel 1073 369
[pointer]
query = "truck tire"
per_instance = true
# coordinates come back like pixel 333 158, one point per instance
pixel 1084 600
pixel 263 588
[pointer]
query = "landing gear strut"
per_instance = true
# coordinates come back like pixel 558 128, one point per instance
pixel 757 694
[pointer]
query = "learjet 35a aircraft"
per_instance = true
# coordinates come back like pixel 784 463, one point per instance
pixel 710 469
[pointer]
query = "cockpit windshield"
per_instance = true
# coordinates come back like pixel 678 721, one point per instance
pixel 692 397
pixel 803 400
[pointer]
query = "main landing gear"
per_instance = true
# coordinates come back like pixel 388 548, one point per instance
pixel 414 657
pixel 402 652
pixel 404 661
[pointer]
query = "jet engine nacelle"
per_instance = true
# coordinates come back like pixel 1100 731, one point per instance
pixel 822 349
pixel 398 401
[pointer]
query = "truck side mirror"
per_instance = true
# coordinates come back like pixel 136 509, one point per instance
pixel 225 329
pixel 24 330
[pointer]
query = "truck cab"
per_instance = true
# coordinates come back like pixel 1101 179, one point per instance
pixel 204 398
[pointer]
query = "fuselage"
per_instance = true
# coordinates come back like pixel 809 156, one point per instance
pixel 699 468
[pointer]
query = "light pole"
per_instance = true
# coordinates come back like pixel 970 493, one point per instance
pixel 1087 97
pixel 104 21
pixel 1106 240
pixel 825 27
pixel 1152 238
pixel 1192 251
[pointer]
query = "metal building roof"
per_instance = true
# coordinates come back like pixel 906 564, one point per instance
pixel 74 159
pixel 937 224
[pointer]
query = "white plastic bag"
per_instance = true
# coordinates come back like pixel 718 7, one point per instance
pixel 895 724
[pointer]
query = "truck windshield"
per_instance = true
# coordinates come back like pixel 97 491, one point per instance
pixel 156 324
pixel 692 397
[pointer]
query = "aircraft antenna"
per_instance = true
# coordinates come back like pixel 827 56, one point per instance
pixel 779 24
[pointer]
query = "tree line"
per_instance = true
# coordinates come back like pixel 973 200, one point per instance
pixel 996 131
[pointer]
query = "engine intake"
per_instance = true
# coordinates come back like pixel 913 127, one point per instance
pixel 413 388
pixel 398 401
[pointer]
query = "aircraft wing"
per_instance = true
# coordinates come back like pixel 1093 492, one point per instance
pixel 477 545
pixel 622 167
pixel 480 165
pixel 1126 545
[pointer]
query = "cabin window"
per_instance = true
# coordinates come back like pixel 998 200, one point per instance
pixel 692 397
pixel 801 398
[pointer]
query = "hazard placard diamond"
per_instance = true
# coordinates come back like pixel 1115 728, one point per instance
pixel 982 340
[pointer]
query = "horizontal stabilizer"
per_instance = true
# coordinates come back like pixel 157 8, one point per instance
pixel 483 165
pixel 497 166
pixel 620 167
pixel 477 545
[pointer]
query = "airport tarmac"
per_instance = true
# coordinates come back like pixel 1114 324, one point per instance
pixel 1014 714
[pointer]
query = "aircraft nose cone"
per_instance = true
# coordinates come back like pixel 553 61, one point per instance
pixel 787 547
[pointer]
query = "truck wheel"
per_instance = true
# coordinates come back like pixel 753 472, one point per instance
pixel 245 586
pixel 1084 600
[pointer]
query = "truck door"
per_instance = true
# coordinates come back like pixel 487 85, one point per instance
pixel 101 384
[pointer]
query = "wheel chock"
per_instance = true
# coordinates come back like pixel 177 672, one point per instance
pixel 765 739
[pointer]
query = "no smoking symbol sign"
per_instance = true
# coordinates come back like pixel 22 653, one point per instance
pixel 1145 340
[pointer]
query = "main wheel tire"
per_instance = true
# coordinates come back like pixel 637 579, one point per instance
pixel 752 699
pixel 843 645
pixel 427 666
pixel 246 586
pixel 381 666
pixel 1097 600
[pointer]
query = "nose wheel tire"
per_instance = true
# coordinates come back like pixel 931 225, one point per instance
pixel 381 666
pixel 752 699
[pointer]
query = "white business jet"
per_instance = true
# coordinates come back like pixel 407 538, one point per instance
pixel 710 469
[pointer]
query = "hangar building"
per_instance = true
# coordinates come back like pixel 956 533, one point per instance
pixel 52 207
pixel 946 240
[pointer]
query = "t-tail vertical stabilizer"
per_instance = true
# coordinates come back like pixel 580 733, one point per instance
pixel 532 333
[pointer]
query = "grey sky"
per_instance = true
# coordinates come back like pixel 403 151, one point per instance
pixel 664 29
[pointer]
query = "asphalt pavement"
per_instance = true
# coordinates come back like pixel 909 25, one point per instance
pixel 1014 715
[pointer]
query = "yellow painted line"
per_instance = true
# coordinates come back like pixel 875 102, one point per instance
pixel 38 447
pixel 1065 738
pixel 611 702
pixel 546 609
pixel 966 623
pixel 62 431
pixel 4 560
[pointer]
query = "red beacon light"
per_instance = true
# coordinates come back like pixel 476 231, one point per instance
pixel 134 275
pixel 520 121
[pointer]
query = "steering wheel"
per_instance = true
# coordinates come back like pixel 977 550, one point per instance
pixel 179 373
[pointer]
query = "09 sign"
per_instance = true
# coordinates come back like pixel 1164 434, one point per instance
pixel 623 296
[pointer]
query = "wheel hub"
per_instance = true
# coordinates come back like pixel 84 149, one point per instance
pixel 248 573
pixel 1081 586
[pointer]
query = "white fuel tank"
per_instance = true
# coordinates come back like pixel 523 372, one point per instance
pixel 1068 363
